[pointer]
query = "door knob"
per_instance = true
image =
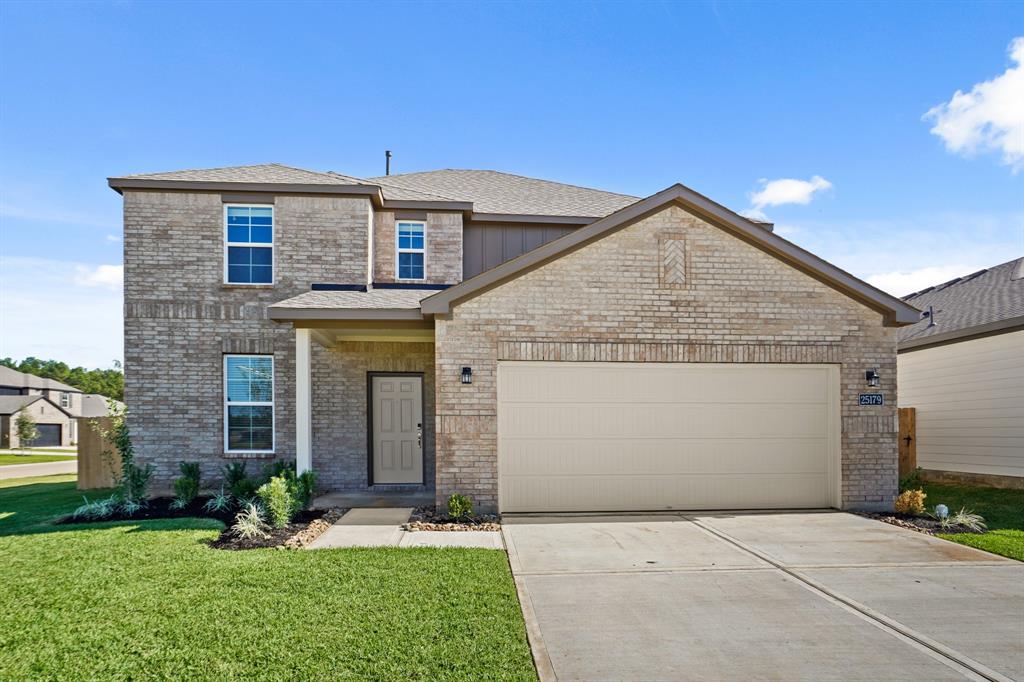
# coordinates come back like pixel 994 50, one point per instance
pixel 419 435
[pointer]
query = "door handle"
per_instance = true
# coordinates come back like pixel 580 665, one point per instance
pixel 419 435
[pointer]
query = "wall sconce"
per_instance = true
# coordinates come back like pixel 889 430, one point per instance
pixel 467 375
pixel 871 376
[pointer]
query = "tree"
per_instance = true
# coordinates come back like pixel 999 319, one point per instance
pixel 106 382
pixel 27 431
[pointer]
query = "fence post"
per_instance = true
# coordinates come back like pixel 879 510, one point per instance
pixel 94 470
pixel 908 440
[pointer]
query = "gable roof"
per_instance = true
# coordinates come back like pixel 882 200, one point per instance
pixel 895 311
pixel 14 378
pixel 982 302
pixel 494 192
pixel 95 405
pixel 260 173
pixel 9 404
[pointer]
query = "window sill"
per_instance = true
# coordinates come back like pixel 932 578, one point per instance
pixel 246 286
pixel 248 455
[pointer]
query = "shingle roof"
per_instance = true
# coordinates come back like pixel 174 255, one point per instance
pixel 375 299
pixel 9 404
pixel 981 298
pixel 12 377
pixel 94 405
pixel 496 192
pixel 266 172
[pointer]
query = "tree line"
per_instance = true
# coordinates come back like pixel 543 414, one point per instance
pixel 108 382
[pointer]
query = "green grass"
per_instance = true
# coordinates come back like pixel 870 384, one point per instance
pixel 6 459
pixel 1003 511
pixel 149 600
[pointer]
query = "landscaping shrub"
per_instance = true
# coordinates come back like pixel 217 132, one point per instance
pixel 910 502
pixel 133 482
pixel 460 507
pixel 912 481
pixel 186 488
pixel 96 510
pixel 302 488
pixel 241 487
pixel 975 523
pixel 277 499
pixel 220 502
pixel 249 523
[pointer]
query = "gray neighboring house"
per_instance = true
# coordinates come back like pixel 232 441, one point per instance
pixel 54 406
pixel 535 345
pixel 962 368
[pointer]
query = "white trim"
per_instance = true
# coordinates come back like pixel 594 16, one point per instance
pixel 303 401
pixel 271 403
pixel 399 250
pixel 260 245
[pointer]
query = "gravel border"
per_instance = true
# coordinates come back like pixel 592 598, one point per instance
pixel 427 518
pixel 922 524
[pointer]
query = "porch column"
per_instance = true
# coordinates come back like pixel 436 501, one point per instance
pixel 303 401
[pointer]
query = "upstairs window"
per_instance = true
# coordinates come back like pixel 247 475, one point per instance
pixel 65 399
pixel 249 403
pixel 411 250
pixel 249 244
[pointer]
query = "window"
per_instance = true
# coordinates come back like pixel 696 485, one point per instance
pixel 65 400
pixel 249 244
pixel 248 403
pixel 410 250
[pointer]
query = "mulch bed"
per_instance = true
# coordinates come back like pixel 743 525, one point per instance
pixel 160 508
pixel 428 518
pixel 921 524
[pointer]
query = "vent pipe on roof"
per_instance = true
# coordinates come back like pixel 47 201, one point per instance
pixel 387 162
pixel 930 314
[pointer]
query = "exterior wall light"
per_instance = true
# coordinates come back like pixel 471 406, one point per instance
pixel 467 375
pixel 874 381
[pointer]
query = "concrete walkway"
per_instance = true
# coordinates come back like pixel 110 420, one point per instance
pixel 41 469
pixel 382 527
pixel 794 596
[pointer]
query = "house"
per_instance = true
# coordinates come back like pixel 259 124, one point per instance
pixel 531 344
pixel 53 405
pixel 962 369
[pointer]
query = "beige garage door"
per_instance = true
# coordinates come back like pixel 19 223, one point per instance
pixel 588 436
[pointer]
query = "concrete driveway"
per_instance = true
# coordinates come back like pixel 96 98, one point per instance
pixel 782 596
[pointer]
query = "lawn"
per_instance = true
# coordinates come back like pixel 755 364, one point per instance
pixel 148 600
pixel 6 459
pixel 1003 511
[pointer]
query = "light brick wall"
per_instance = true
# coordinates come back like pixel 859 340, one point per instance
pixel 180 319
pixel 619 300
pixel 443 247
pixel 43 413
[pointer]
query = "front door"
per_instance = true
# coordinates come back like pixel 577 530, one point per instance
pixel 396 407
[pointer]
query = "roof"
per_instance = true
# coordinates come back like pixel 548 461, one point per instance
pixel 9 404
pixel 95 405
pixel 895 311
pixel 12 377
pixel 261 173
pixel 504 193
pixel 982 302
pixel 372 304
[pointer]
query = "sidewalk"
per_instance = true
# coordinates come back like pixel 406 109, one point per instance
pixel 382 527
pixel 43 469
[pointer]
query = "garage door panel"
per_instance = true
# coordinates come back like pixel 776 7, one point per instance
pixel 636 436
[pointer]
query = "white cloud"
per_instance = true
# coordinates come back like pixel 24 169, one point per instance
pixel 901 283
pixel 46 312
pixel 113 238
pixel 989 118
pixel 109 276
pixel 787 191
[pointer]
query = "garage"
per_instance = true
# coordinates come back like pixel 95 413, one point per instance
pixel 629 436
pixel 49 435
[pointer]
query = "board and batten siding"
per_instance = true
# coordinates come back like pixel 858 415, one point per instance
pixel 969 398
pixel 486 245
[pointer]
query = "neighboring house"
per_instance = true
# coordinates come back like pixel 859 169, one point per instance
pixel 962 368
pixel 534 345
pixel 55 416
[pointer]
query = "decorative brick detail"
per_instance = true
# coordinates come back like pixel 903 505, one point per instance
pixel 597 351
pixel 673 261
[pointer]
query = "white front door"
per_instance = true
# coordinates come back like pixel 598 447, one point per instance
pixel 396 404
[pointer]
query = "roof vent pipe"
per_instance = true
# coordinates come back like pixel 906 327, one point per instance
pixel 387 162
pixel 930 314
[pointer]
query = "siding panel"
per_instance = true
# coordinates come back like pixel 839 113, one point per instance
pixel 486 245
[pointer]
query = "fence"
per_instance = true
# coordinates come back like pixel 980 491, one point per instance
pixel 908 440
pixel 94 469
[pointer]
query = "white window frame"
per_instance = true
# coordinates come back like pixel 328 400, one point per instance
pixel 239 403
pixel 272 245
pixel 399 251
pixel 65 399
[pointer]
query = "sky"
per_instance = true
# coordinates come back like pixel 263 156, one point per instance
pixel 887 138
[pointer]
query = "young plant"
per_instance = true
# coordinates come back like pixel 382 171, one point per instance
pixel 96 510
pixel 219 503
pixel 459 507
pixel 249 523
pixel 25 426
pixel 974 523
pixel 130 507
pixel 133 481
pixel 302 488
pixel 277 499
pixel 910 502
pixel 241 487
pixel 177 504
pixel 186 488
pixel 912 481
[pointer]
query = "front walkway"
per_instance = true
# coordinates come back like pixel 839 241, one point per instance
pixel 795 596
pixel 382 527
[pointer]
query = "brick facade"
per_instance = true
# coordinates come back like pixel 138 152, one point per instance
pixel 443 246
pixel 670 288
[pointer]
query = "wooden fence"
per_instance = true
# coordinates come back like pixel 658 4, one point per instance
pixel 908 440
pixel 96 470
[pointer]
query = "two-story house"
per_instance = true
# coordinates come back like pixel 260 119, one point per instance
pixel 54 406
pixel 534 345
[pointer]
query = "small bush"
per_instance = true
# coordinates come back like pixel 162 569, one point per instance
pixel 186 488
pixel 277 500
pixel 249 523
pixel 177 504
pixel 910 502
pixel 974 523
pixel 129 507
pixel 279 468
pixel 241 487
pixel 96 510
pixel 912 481
pixel 302 488
pixel 460 507
pixel 219 503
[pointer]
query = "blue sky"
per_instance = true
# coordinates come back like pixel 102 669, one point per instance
pixel 723 97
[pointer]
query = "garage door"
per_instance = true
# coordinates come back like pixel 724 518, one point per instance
pixel 49 434
pixel 648 436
